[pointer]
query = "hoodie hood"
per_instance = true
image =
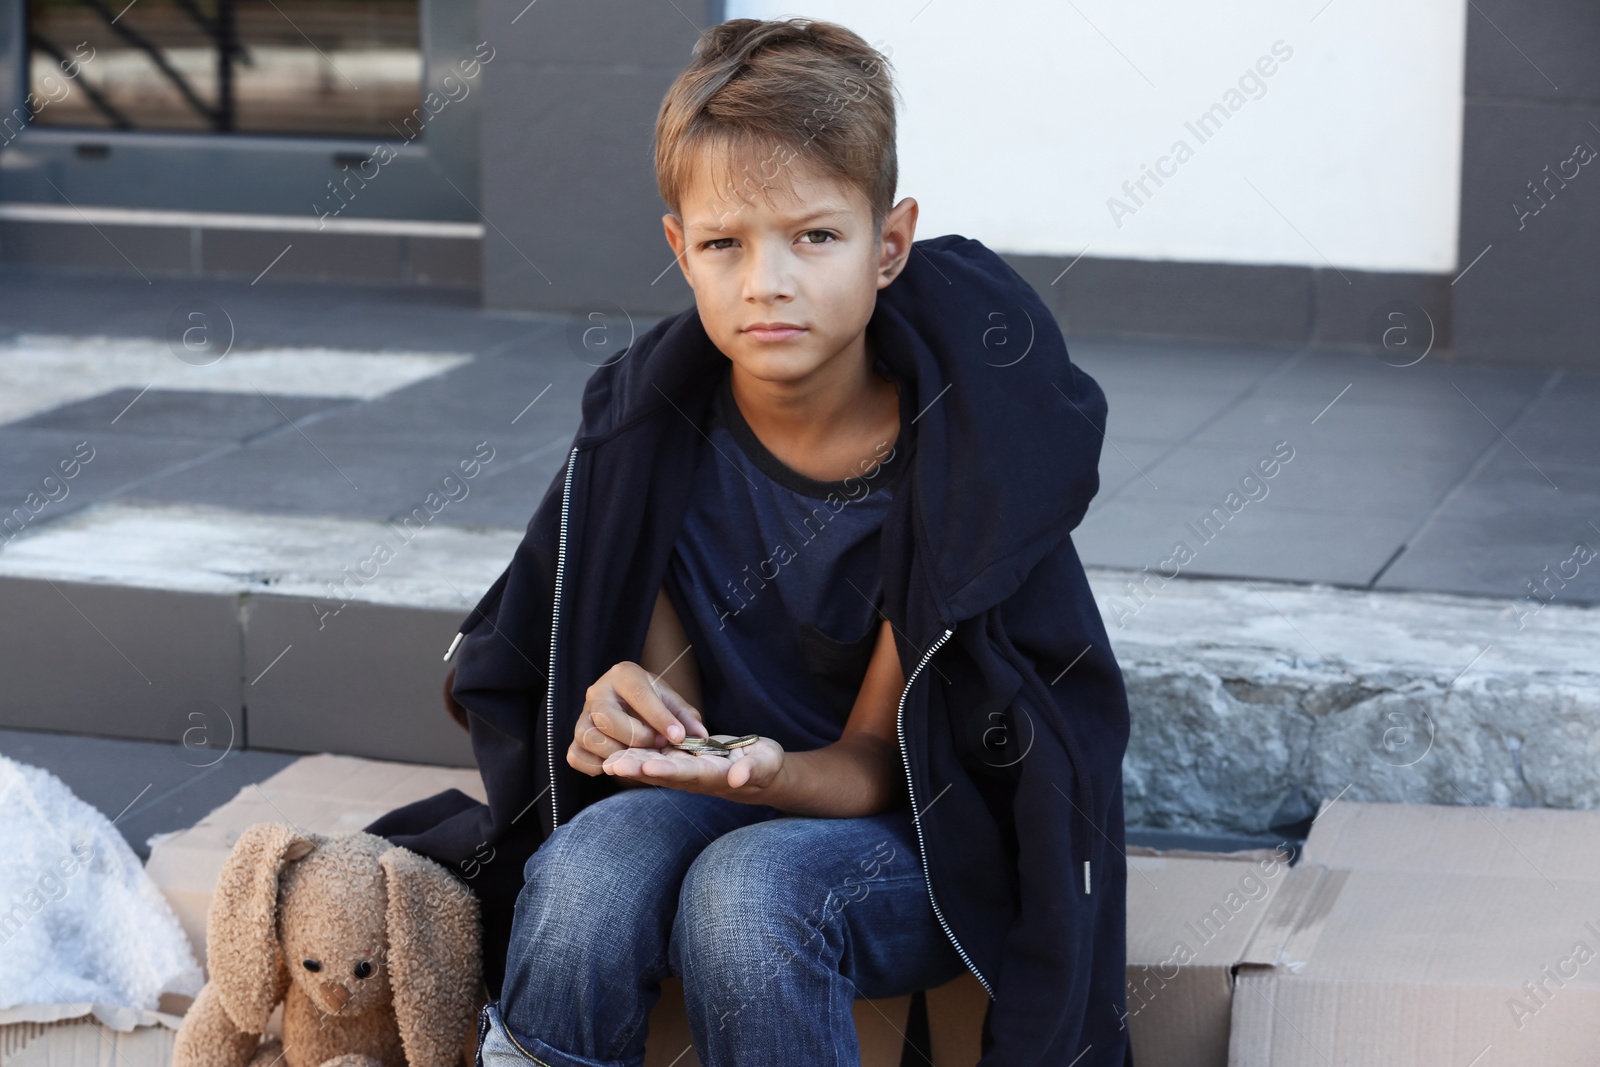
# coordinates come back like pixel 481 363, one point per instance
pixel 991 379
pixel 1026 772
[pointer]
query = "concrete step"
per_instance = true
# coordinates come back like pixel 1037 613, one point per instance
pixel 1253 701
pixel 216 630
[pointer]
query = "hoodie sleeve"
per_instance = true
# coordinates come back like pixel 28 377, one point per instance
pixel 1061 983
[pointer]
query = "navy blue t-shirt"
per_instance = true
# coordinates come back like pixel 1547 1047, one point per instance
pixel 775 576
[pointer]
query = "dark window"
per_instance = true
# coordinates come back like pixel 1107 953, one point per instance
pixel 349 68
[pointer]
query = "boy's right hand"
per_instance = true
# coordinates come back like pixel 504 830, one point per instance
pixel 628 707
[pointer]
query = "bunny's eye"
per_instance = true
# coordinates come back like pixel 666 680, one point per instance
pixel 364 969
pixel 311 965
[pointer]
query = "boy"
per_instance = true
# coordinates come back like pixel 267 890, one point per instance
pixel 852 467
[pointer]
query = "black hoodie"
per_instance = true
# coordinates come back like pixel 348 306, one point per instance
pixel 1013 720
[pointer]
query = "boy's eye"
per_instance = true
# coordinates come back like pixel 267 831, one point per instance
pixel 810 237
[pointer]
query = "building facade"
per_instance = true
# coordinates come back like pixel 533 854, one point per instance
pixel 1236 173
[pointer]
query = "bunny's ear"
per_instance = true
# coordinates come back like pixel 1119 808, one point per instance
pixel 243 957
pixel 433 956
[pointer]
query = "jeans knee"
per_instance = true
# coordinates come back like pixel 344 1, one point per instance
pixel 741 907
pixel 580 851
pixel 563 907
pixel 585 888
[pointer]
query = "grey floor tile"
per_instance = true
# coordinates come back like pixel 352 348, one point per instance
pixel 288 474
pixel 506 496
pixel 1502 556
pixel 44 301
pixel 1315 478
pixel 1156 367
pixel 390 328
pixel 147 787
pixel 1168 416
pixel 1124 460
pixel 178 413
pixel 1260 541
pixel 1580 385
pixel 275 312
pixel 1561 427
pixel 512 403
pixel 100 464
pixel 1366 469
pixel 1446 426
pixel 1510 484
pixel 1324 373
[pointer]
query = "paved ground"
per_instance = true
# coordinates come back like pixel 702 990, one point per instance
pixel 1439 476
pixel 1446 477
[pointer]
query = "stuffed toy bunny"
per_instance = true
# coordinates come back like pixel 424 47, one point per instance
pixel 372 949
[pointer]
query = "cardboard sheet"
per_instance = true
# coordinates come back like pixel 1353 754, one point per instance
pixel 1192 917
pixel 1432 935
pixel 1505 842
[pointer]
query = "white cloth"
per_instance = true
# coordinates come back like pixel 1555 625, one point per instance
pixel 83 929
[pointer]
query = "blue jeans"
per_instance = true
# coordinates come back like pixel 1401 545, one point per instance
pixel 775 923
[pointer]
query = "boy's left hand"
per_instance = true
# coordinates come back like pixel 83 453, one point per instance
pixel 742 774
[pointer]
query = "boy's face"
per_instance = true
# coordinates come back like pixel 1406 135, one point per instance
pixel 799 254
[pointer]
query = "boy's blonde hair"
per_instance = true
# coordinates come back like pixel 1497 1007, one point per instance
pixel 777 92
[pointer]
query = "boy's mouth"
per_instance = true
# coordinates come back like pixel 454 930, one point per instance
pixel 774 331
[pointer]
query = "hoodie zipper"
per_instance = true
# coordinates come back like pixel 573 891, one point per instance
pixel 916 817
pixel 555 628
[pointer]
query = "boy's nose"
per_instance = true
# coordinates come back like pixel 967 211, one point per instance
pixel 769 275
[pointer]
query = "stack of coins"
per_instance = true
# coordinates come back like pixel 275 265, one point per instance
pixel 698 745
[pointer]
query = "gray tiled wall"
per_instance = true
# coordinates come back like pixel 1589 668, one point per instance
pixel 1532 95
pixel 568 176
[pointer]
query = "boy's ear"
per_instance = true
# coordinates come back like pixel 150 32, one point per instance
pixel 899 230
pixel 673 227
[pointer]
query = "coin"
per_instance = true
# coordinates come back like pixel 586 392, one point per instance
pixel 711 744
